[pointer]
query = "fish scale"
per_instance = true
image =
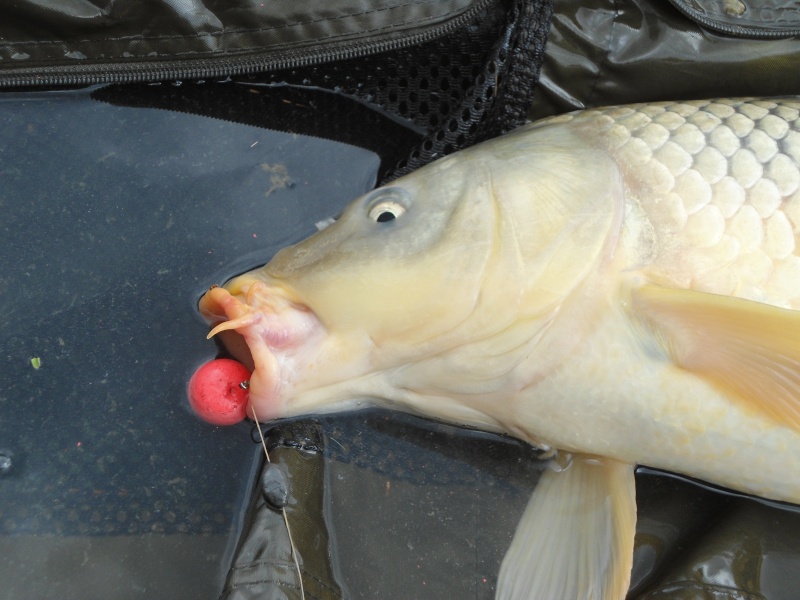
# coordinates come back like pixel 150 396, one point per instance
pixel 721 183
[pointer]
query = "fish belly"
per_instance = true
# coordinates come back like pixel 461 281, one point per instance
pixel 615 398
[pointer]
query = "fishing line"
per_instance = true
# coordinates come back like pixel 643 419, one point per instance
pixel 283 509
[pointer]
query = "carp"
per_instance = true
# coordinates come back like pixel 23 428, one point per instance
pixel 620 284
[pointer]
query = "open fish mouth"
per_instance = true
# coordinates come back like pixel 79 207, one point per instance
pixel 267 331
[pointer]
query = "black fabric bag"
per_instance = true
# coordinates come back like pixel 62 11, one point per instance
pixel 455 72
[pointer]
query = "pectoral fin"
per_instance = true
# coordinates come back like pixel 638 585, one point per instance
pixel 575 539
pixel 747 349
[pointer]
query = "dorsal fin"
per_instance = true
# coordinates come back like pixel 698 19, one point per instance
pixel 747 349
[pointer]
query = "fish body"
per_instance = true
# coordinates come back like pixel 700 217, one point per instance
pixel 622 284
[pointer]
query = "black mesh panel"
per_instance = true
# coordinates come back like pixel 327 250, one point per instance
pixel 471 85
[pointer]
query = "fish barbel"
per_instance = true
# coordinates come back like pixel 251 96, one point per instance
pixel 622 284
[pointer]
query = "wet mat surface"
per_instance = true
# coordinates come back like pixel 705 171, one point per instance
pixel 424 510
pixel 115 220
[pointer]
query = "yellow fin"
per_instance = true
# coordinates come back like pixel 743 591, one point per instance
pixel 748 349
pixel 575 538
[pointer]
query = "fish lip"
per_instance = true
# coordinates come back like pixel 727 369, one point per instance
pixel 264 328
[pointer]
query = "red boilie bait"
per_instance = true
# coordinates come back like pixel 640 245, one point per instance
pixel 218 391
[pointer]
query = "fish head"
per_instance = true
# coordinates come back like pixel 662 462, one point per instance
pixel 396 263
pixel 390 275
pixel 413 270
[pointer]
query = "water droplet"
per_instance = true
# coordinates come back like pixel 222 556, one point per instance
pixel 546 451
pixel 560 462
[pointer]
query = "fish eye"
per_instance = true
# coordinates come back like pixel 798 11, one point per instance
pixel 386 210
pixel 387 204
